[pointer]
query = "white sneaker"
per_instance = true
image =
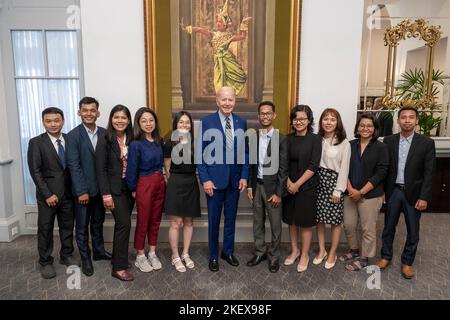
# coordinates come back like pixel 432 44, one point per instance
pixel 142 264
pixel 154 260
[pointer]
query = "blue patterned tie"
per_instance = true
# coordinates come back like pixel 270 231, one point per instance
pixel 61 155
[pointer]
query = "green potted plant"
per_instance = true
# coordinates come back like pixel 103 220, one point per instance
pixel 411 88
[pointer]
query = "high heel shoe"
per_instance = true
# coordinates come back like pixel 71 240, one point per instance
pixel 301 268
pixel 317 261
pixel 289 262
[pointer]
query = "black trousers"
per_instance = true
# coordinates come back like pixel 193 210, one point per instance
pixel 91 215
pixel 46 222
pixel 122 216
pixel 397 203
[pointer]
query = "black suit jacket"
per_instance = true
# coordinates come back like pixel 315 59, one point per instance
pixel 375 165
pixel 276 183
pixel 109 166
pixel 419 168
pixel 386 122
pixel 46 170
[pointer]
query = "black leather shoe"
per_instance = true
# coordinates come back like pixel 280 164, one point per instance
pixel 214 265
pixel 274 266
pixel 230 259
pixel 86 267
pixel 125 276
pixel 105 256
pixel 69 261
pixel 47 271
pixel 256 260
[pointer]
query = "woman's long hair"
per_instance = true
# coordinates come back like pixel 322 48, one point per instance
pixel 339 133
pixel 111 134
pixel 138 133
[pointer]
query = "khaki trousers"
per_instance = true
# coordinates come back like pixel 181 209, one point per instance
pixel 366 213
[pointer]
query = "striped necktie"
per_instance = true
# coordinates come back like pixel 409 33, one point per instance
pixel 229 134
pixel 61 154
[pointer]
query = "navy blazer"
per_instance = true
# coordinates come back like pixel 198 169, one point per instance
pixel 80 157
pixel 222 174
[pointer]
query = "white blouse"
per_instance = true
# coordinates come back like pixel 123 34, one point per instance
pixel 337 158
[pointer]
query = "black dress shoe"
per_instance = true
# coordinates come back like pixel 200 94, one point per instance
pixel 274 266
pixel 230 259
pixel 105 256
pixel 47 271
pixel 256 260
pixel 69 261
pixel 86 267
pixel 125 276
pixel 214 265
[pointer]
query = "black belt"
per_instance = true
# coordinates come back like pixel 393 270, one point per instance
pixel 260 181
pixel 400 186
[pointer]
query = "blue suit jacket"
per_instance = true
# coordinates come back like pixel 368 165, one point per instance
pixel 80 158
pixel 222 174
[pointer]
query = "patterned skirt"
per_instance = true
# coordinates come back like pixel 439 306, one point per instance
pixel 327 211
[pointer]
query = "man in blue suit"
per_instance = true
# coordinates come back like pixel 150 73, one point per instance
pixel 223 172
pixel 89 208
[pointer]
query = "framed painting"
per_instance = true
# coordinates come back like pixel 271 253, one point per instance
pixel 194 47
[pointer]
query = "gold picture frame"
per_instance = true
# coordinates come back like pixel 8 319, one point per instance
pixel 286 68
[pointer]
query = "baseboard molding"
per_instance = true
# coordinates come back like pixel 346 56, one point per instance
pixel 9 229
pixel 244 229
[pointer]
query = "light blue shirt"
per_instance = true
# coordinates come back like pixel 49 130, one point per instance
pixel 264 139
pixel 93 135
pixel 223 121
pixel 403 150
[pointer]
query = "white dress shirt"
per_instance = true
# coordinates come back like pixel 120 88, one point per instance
pixel 55 144
pixel 264 140
pixel 93 135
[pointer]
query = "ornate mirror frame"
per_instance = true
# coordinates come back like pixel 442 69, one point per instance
pixel 392 37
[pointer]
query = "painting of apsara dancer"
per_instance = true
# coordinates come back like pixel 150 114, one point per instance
pixel 228 71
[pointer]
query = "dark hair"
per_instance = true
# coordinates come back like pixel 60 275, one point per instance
pixel 266 103
pixel 409 108
pixel 88 100
pixel 340 130
pixel 52 110
pixel 138 133
pixel 177 118
pixel 376 126
pixel 111 132
pixel 306 109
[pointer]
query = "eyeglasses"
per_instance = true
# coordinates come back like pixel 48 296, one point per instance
pixel 299 120
pixel 266 114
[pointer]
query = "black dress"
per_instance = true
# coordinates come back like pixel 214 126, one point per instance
pixel 304 153
pixel 182 193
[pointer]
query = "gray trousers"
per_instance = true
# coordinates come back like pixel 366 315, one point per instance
pixel 260 207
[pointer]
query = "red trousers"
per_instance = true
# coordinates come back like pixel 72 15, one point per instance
pixel 150 192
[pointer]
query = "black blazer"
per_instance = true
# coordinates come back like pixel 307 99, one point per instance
pixel 109 167
pixel 419 168
pixel 81 161
pixel 308 158
pixel 46 169
pixel 375 165
pixel 276 183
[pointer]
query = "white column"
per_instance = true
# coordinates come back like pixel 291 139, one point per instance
pixel 330 57
pixel 114 53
